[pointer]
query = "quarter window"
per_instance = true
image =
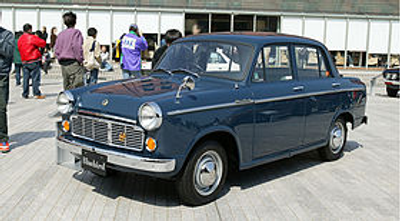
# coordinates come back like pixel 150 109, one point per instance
pixel 310 63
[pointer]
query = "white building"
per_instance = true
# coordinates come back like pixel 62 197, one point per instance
pixel 368 35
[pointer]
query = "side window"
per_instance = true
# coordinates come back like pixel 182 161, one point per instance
pixel 310 63
pixel 277 63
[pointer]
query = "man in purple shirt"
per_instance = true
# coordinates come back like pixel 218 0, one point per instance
pixel 132 44
pixel 69 52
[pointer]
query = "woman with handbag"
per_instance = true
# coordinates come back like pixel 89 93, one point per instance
pixel 91 55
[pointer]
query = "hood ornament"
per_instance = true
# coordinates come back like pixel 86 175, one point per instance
pixel 105 102
pixel 187 83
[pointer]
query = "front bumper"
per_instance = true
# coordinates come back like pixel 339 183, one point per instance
pixel 69 150
pixel 392 83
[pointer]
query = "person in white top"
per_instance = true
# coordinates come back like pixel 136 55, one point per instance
pixel 105 66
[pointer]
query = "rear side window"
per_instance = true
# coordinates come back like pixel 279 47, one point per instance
pixel 310 63
pixel 277 63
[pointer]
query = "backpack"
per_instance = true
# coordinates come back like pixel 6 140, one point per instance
pixel 91 63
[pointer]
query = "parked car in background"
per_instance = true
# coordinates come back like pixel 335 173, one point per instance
pixel 214 102
pixel 391 77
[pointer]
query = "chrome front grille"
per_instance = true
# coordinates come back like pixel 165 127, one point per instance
pixel 108 132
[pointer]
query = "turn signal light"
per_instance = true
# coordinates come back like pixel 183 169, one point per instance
pixel 65 126
pixel 151 144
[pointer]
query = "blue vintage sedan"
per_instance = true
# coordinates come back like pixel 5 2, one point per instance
pixel 214 102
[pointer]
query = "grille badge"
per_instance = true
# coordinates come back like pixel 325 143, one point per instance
pixel 122 137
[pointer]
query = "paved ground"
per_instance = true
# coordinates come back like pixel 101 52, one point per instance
pixel 363 185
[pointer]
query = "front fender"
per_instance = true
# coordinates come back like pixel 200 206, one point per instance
pixel 210 130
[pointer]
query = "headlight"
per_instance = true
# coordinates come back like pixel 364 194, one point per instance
pixel 150 116
pixel 64 102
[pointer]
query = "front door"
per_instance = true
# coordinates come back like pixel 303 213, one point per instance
pixel 279 107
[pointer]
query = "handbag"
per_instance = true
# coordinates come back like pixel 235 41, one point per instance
pixel 91 62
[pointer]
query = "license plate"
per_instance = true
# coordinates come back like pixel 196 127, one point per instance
pixel 94 162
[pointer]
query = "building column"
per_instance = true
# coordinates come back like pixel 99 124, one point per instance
pixel 368 39
pixel 232 22
pixel 13 14
pixel 390 42
pixel 346 41
pixel 209 22
pixel 254 23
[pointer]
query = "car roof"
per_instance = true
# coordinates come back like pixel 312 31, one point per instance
pixel 254 38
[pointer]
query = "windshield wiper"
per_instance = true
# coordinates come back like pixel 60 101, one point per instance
pixel 186 71
pixel 162 70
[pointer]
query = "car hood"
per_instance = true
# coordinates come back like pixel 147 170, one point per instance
pixel 123 98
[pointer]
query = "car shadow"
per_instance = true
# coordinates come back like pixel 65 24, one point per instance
pixel 25 138
pixel 160 192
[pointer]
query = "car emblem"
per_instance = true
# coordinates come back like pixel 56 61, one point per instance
pixel 122 137
pixel 105 102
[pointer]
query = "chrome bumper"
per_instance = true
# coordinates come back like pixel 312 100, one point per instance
pixel 67 150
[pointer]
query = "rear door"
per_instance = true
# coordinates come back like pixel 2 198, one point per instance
pixel 320 88
pixel 279 114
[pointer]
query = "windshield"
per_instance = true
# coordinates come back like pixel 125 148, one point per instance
pixel 223 60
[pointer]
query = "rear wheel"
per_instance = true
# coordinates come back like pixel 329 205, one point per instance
pixel 204 175
pixel 337 141
pixel 392 92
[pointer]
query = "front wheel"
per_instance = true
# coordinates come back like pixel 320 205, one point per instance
pixel 391 92
pixel 204 175
pixel 337 141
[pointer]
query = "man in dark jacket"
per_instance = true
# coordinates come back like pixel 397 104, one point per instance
pixel 7 45
pixel 170 36
pixel 29 48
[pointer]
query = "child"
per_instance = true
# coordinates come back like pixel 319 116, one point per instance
pixel 105 66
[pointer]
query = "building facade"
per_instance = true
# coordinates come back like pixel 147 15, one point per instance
pixel 358 33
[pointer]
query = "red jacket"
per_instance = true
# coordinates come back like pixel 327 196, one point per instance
pixel 28 46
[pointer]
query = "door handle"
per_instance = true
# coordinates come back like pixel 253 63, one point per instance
pixel 298 88
pixel 244 101
pixel 336 84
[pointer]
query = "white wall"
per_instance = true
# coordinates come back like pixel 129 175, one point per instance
pixel 24 16
pixel 292 25
pixel 148 22
pixel 50 18
pixel 6 18
pixel 357 38
pixel 172 21
pixel 101 20
pixel 122 20
pixel 314 28
pixel 379 37
pixel 395 47
pixel 336 34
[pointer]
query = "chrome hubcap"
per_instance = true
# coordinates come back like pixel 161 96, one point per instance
pixel 337 138
pixel 208 173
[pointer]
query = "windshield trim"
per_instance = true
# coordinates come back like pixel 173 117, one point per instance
pixel 245 70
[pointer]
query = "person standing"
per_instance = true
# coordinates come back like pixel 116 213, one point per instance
pixel 91 54
pixel 170 36
pixel 53 38
pixel 132 45
pixel 44 33
pixel 17 60
pixel 7 44
pixel 29 46
pixel 69 52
